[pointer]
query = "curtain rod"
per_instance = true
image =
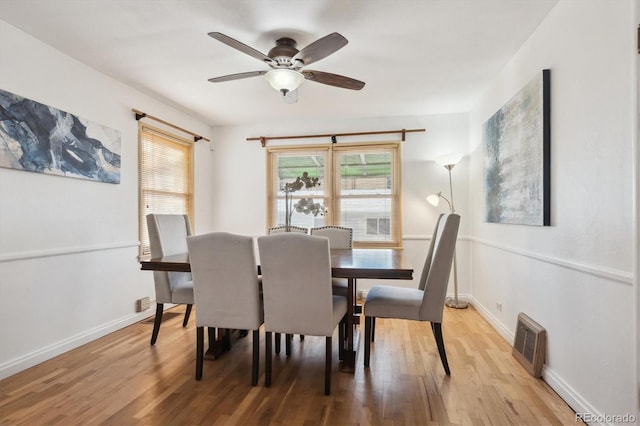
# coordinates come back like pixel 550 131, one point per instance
pixel 263 139
pixel 140 115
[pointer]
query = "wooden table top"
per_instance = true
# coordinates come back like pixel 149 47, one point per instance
pixel 356 263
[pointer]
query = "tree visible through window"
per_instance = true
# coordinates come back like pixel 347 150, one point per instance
pixel 166 177
pixel 359 186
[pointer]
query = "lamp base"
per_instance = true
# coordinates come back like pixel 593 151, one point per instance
pixel 451 302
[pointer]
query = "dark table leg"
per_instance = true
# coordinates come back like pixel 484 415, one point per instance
pixel 349 355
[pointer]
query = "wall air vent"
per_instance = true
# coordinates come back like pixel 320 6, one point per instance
pixel 529 344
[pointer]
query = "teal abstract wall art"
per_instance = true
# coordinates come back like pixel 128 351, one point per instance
pixel 516 142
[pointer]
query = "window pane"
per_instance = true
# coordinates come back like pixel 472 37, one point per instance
pixel 288 166
pixel 364 216
pixel 366 193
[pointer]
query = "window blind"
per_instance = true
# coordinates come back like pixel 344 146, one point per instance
pixel 166 177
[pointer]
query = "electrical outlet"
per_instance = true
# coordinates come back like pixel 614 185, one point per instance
pixel 142 304
pixel 499 306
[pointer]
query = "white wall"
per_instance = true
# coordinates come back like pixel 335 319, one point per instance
pixel 576 276
pixel 68 247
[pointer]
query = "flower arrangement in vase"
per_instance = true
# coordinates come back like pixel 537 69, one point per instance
pixel 304 205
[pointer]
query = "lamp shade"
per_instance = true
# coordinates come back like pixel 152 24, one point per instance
pixel 434 199
pixel 449 159
pixel 284 79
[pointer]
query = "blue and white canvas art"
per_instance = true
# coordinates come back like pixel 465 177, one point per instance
pixel 39 138
pixel 516 157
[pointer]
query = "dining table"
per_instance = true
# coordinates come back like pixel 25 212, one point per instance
pixel 352 264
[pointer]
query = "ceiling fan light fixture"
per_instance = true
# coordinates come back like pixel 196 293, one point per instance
pixel 284 80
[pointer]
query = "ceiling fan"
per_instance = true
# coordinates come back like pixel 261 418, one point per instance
pixel 287 62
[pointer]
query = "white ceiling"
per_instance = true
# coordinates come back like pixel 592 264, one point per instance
pixel 416 56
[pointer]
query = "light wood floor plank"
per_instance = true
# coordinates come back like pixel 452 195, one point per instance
pixel 121 380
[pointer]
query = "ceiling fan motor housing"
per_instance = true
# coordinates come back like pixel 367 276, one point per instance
pixel 284 50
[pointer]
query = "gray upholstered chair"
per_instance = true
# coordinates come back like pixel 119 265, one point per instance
pixel 425 303
pixel 226 288
pixel 168 235
pixel 339 238
pixel 280 229
pixel 296 282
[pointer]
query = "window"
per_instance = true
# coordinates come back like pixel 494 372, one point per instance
pixel 166 177
pixel 359 186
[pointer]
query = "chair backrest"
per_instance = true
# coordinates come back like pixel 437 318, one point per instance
pixel 437 267
pixel 296 284
pixel 281 229
pixel 168 235
pixel 340 237
pixel 225 281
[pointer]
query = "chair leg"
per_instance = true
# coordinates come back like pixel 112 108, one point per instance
pixel 211 335
pixel 277 337
pixel 341 338
pixel 199 351
pixel 287 344
pixel 327 367
pixel 368 322
pixel 157 322
pixel 256 357
pixel 302 337
pixel 267 359
pixel 187 313
pixel 227 339
pixel 373 329
pixel 437 333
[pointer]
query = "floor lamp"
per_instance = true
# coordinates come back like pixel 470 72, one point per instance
pixel 449 162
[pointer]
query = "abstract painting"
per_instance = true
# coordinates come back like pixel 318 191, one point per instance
pixel 39 138
pixel 516 143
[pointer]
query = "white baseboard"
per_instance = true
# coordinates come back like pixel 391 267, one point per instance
pixel 34 358
pixel 495 323
pixel 570 396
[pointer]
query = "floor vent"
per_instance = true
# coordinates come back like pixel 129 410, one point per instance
pixel 529 344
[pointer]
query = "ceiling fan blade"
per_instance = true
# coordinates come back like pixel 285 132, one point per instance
pixel 241 47
pixel 291 97
pixel 333 79
pixel 237 76
pixel 320 48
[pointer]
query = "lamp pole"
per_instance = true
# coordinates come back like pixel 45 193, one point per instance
pixel 454 303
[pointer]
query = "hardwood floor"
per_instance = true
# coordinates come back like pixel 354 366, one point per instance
pixel 121 380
